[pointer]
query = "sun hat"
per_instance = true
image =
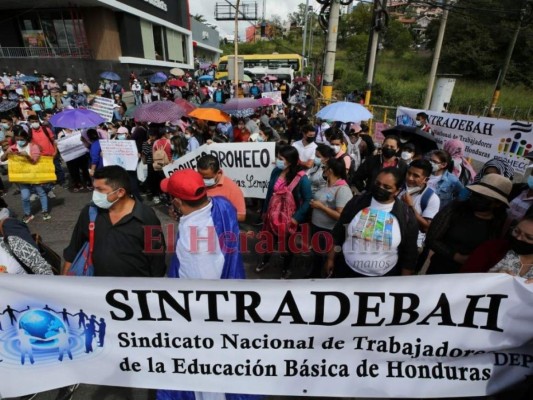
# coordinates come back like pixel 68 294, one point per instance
pixel 494 186
pixel 185 184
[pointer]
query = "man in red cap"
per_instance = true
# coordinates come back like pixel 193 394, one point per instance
pixel 207 246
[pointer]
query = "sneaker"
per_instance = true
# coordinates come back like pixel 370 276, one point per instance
pixel 27 218
pixel 33 197
pixel 261 266
pixel 51 194
pixel 46 216
pixel 157 200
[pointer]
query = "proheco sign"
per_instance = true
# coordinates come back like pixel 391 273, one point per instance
pixel 158 3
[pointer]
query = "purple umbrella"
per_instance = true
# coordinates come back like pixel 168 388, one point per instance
pixel 76 118
pixel 158 112
pixel 241 107
pixel 158 77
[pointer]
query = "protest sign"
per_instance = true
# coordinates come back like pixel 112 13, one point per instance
pixel 120 152
pixel 103 107
pixel 484 138
pixel 21 170
pixel 71 147
pixel 248 164
pixel 276 96
pixel 418 336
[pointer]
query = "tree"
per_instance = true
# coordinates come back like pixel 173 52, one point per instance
pixel 397 38
pixel 199 18
pixel 356 22
pixel 298 17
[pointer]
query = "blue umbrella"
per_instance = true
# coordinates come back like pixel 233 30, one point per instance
pixel 210 104
pixel 344 111
pixel 206 78
pixel 29 78
pixel 76 118
pixel 110 76
pixel 158 77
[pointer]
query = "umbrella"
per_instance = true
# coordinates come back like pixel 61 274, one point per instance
pixel 76 118
pixel 243 103
pixel 110 76
pixel 210 114
pixel 177 72
pixel 246 78
pixel 239 112
pixel 158 112
pixel 271 77
pixel 424 142
pixel 7 105
pixel 300 79
pixel 186 106
pixel 266 101
pixel 206 78
pixel 177 83
pixel 146 72
pixel 344 111
pixel 158 77
pixel 211 104
pixel 29 78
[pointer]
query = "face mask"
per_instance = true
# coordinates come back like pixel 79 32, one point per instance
pixel 2 135
pixel 4 98
pixel 309 139
pixel 280 164
pixel 187 136
pixel 5 126
pixel 122 136
pixel 406 156
pixel 388 152
pixel 530 181
pixel 260 139
pixel 21 143
pixel 210 182
pixel 414 190
pixel 379 194
pixel 434 167
pixel 418 123
pixel 318 161
pixel 101 201
pixel 520 247
pixel 479 203
pixel 336 148
pixel 35 125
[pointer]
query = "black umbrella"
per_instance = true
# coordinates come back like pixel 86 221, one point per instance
pixel 424 142
pixel 146 72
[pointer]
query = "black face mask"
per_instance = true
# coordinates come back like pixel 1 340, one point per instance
pixel 388 152
pixel 520 247
pixel 479 203
pixel 309 139
pixel 380 194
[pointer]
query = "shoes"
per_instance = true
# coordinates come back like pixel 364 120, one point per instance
pixel 33 197
pixel 261 266
pixel 89 188
pixel 285 274
pixel 51 194
pixel 157 200
pixel 27 218
pixel 46 216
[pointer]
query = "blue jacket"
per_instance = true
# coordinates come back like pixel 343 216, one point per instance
pixel 448 188
pixel 96 158
pixel 302 195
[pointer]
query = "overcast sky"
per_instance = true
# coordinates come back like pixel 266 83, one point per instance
pixel 273 7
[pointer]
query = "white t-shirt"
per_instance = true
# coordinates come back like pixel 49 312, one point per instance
pixel 198 249
pixel 305 153
pixel 372 240
pixel 8 263
pixel 432 208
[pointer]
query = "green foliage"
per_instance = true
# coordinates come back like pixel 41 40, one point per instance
pixel 398 38
pixel 355 23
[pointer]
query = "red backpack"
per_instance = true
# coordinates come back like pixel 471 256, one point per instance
pixel 281 208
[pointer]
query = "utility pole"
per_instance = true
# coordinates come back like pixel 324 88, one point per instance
pixel 436 55
pixel 331 48
pixel 305 27
pixel 379 12
pixel 503 71
pixel 236 53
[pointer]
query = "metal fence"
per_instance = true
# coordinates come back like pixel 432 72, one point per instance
pixel 44 52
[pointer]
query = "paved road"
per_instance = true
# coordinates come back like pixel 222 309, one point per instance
pixel 56 232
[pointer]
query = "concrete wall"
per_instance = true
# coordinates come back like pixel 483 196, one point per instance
pixel 102 33
pixel 198 29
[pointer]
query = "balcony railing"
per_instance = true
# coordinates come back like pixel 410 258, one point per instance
pixel 45 52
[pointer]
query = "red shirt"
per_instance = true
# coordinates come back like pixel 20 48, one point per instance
pixel 44 138
pixel 241 135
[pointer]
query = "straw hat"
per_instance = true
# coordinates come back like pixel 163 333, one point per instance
pixel 494 186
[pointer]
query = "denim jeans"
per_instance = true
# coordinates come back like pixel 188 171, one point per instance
pixel 25 191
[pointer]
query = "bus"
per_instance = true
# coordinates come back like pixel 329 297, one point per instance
pixel 283 66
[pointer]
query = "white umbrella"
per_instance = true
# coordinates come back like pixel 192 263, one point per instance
pixel 344 111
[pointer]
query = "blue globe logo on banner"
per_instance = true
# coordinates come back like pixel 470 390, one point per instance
pixel 41 324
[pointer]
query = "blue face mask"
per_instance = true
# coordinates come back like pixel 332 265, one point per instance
pixel 318 161
pixel 121 137
pixel 260 139
pixel 280 164
pixel 21 143
pixel 2 135
pixel 100 199
pixel 530 181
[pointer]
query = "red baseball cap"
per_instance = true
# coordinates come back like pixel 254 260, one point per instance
pixel 185 184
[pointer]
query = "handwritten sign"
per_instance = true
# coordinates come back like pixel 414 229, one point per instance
pixel 103 107
pixel 120 152
pixel 71 147
pixel 20 170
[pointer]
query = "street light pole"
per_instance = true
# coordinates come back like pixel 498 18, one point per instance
pixel 305 27
pixel 331 48
pixel 236 52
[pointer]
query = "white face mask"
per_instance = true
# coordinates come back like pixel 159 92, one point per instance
pixel 435 166
pixel 210 182
pixel 418 123
pixel 100 199
pixel 336 148
pixel 35 125
pixel 406 155
pixel 187 136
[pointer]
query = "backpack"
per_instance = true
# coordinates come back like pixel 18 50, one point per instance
pixel 281 208
pixel 160 158
pixel 425 198
pixel 351 171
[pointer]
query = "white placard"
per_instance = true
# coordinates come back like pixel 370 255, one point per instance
pixel 484 138
pixel 104 107
pixel 249 165
pixel 120 152
pixel 276 96
pixel 71 147
pixel 418 336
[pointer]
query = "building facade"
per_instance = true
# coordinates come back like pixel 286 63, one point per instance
pixel 82 38
pixel 205 42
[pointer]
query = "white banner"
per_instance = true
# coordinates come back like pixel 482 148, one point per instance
pixel 484 138
pixel 104 107
pixel 249 165
pixel 71 147
pixel 419 336
pixel 276 96
pixel 120 152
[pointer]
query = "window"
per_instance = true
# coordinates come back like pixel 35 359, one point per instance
pixel 175 46
pixel 223 66
pixel 147 34
pixel 159 44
